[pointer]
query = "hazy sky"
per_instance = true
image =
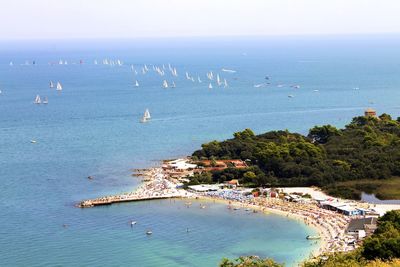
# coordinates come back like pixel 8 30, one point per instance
pixel 154 18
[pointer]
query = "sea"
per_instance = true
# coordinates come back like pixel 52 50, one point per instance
pixel 92 128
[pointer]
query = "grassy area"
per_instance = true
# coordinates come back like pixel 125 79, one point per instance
pixel 383 189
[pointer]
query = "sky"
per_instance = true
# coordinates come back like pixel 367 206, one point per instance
pixel 53 19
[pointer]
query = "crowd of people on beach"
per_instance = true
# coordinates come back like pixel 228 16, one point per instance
pixel 331 225
pixel 156 186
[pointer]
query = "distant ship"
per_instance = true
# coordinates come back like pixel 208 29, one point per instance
pixel 146 116
pixel 59 86
pixel 37 100
pixel 227 70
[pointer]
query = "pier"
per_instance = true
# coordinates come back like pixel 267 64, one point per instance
pixel 122 198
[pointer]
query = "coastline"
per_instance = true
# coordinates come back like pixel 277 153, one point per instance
pixel 266 210
pixel 157 183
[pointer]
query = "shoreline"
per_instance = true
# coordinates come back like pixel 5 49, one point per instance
pixel 266 210
pixel 157 183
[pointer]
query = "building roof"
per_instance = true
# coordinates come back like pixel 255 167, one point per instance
pixel 358 224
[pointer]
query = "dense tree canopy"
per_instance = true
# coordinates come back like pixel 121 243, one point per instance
pixel 367 148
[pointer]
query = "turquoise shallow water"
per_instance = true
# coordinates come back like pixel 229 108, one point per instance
pixel 92 128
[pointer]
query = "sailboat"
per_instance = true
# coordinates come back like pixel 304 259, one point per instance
pixel 210 86
pixel 173 84
pixel 136 83
pixel 225 83
pixel 37 100
pixel 51 84
pixel 59 86
pixel 198 79
pixel 165 84
pixel 146 116
pixel 45 100
pixel 218 80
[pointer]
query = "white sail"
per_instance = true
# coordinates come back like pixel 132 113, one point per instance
pixel 37 100
pixel 173 84
pixel 225 83
pixel 218 80
pixel 45 100
pixel 136 83
pixel 59 86
pixel 165 84
pixel 51 84
pixel 146 116
pixel 198 79
pixel 210 86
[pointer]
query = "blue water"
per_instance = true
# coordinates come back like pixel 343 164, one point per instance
pixel 92 128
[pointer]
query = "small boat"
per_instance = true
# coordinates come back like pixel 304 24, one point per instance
pixel 210 86
pixel 133 223
pixel 37 100
pixel 165 84
pixel 51 84
pixel 136 83
pixel 313 237
pixel 228 70
pixel 173 84
pixel 45 100
pixel 218 80
pixel 148 232
pixel 290 96
pixel 316 90
pixel 59 86
pixel 33 141
pixel 225 83
pixel 236 208
pixel 146 116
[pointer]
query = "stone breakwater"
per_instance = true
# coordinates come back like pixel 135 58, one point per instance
pixel 157 186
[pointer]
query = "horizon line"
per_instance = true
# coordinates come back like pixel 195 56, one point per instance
pixel 205 36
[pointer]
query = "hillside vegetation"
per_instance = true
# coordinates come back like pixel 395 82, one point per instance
pixel 367 148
